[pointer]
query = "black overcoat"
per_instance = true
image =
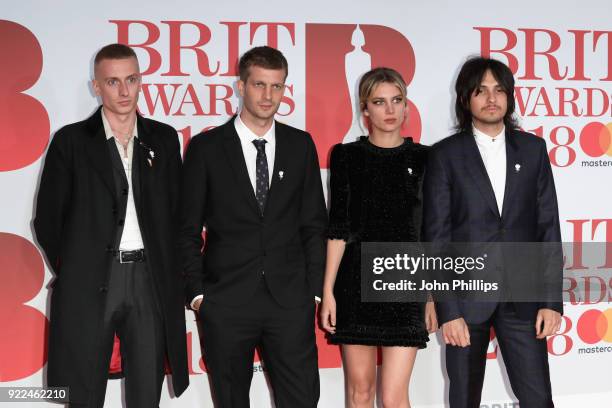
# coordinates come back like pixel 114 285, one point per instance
pixel 77 216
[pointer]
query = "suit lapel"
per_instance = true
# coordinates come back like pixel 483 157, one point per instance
pixel 280 163
pixel 145 154
pixel 97 151
pixel 473 162
pixel 235 157
pixel 513 163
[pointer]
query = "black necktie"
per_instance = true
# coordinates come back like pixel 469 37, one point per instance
pixel 261 179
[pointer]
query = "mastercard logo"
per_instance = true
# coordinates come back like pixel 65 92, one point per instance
pixel 596 139
pixel 595 326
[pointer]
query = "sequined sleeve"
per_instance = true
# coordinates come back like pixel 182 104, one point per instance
pixel 339 224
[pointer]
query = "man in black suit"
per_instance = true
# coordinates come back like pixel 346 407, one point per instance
pixel 493 183
pixel 107 220
pixel 254 184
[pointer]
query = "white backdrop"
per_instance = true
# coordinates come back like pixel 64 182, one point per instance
pixel 561 52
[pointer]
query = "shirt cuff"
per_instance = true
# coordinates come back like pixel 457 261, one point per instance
pixel 191 305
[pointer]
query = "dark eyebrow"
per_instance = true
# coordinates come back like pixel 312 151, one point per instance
pixel 382 98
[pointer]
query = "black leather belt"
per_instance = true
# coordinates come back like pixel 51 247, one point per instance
pixel 136 255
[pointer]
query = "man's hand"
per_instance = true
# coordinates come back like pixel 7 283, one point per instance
pixel 547 323
pixel 456 333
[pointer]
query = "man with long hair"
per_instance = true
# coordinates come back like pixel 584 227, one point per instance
pixel 491 182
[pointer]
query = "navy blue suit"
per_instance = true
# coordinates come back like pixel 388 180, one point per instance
pixel 460 206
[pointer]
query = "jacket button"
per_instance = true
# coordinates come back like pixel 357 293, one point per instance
pixel 103 289
pixel 109 248
pixel 120 223
pixel 124 191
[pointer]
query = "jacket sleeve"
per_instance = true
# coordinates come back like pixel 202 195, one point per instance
pixel 313 220
pixel 437 188
pixel 549 232
pixel 53 199
pixel 193 218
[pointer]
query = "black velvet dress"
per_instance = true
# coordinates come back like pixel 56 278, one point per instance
pixel 375 197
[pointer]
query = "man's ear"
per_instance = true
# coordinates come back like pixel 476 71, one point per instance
pixel 95 85
pixel 240 85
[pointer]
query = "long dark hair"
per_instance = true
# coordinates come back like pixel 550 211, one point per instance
pixel 469 80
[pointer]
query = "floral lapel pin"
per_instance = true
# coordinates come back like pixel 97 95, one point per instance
pixel 150 153
pixel 410 171
pixel 281 174
pixel 517 168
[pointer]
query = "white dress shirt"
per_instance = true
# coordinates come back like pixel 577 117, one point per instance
pixel 130 238
pixel 493 153
pixel 249 150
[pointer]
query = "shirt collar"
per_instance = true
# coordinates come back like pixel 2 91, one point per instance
pixel 109 132
pixel 486 140
pixel 248 135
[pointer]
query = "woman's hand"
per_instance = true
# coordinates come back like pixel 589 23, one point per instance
pixel 327 313
pixel 431 318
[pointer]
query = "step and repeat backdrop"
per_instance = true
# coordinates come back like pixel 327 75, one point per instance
pixel 560 52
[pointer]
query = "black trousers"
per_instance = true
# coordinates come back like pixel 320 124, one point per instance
pixel 133 314
pixel 525 357
pixel 286 340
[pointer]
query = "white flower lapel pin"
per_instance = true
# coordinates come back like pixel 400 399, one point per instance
pixel 517 168
pixel 281 174
pixel 409 171
pixel 150 153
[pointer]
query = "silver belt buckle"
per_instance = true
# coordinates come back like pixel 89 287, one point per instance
pixel 121 258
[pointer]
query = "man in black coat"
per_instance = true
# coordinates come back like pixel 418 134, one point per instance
pixel 255 185
pixel 106 218
pixel 493 183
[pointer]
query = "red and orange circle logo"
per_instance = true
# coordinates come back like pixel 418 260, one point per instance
pixel 595 325
pixel 596 139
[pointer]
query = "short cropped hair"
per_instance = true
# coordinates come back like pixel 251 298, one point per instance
pixel 263 57
pixel 469 79
pixel 114 51
pixel 371 79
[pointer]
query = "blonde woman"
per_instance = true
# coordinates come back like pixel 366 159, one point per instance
pixel 375 196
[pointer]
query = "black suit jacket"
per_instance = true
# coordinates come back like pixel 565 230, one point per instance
pixel 460 206
pixel 79 216
pixel 286 243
